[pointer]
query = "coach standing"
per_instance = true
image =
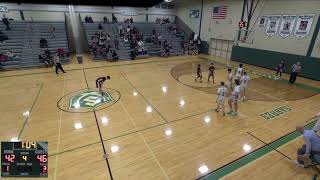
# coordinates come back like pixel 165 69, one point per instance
pixel 296 68
pixel 56 60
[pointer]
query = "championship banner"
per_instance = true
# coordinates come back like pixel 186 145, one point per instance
pixel 272 25
pixel 286 25
pixel 262 21
pixel 303 25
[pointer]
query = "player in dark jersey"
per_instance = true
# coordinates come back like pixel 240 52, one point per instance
pixel 199 73
pixel 279 69
pixel 100 81
pixel 211 72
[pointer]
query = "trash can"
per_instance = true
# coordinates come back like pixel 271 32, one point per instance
pixel 79 58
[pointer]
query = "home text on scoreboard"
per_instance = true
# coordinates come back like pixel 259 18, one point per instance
pixel 24 159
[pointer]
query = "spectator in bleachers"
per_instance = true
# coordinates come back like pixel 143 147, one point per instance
pixel 90 19
pixel 11 56
pixel 131 20
pixel 116 43
pixel 43 43
pixel 100 26
pixel 141 49
pixel 105 19
pixel 3 58
pixel 86 19
pixel 3 37
pixel 47 53
pixel 114 19
pixel 6 22
pixel 56 60
pixel 125 39
pixel 128 29
pixel 120 29
pixel 52 30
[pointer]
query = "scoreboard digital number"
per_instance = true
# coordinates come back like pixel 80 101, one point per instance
pixel 24 159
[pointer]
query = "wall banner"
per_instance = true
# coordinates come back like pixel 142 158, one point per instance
pixel 303 26
pixel 262 21
pixel 286 25
pixel 272 25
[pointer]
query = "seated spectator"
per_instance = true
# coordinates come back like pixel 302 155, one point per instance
pixel 3 58
pixel 52 30
pixel 11 56
pixel 90 19
pixel 131 20
pixel 3 37
pixel 311 146
pixel 128 29
pixel 86 19
pixel 100 26
pixel 43 43
pixel 115 56
pixel 47 53
pixel 6 22
pixel 125 39
pixel 105 19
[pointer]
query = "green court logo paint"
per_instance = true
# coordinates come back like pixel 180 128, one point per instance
pixel 89 100
pixel 275 112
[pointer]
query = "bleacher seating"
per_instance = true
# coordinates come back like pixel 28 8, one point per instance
pixel 24 41
pixel 145 29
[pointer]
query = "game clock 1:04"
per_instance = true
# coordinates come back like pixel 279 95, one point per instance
pixel 24 159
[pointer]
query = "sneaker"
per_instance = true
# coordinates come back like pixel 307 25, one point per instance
pixel 216 110
pixel 297 163
pixel 230 112
pixel 234 114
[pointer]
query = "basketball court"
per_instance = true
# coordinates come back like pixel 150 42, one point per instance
pixel 158 123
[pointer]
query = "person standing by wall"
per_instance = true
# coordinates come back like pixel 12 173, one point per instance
pixel 296 68
pixel 116 43
pixel 6 22
pixel 56 60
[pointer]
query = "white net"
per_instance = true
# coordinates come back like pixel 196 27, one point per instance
pixel 245 36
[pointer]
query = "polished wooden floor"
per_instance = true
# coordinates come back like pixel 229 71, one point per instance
pixel 171 142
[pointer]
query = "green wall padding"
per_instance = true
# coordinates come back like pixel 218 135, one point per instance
pixel 270 59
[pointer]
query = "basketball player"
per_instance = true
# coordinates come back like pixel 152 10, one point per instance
pixel 279 69
pixel 244 84
pixel 99 83
pixel 211 72
pixel 234 98
pixel 229 79
pixel 239 71
pixel 222 92
pixel 199 73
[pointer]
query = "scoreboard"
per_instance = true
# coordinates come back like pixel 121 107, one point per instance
pixel 24 159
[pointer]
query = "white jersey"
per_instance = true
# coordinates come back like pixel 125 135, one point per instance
pixel 236 91
pixel 244 80
pixel 222 92
pixel 239 72
pixel 230 77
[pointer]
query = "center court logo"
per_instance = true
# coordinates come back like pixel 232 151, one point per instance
pixel 89 100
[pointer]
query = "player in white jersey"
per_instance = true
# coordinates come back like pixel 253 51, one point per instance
pixel 244 84
pixel 229 79
pixel 239 71
pixel 234 98
pixel 222 92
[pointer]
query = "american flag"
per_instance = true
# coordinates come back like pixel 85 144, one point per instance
pixel 219 12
